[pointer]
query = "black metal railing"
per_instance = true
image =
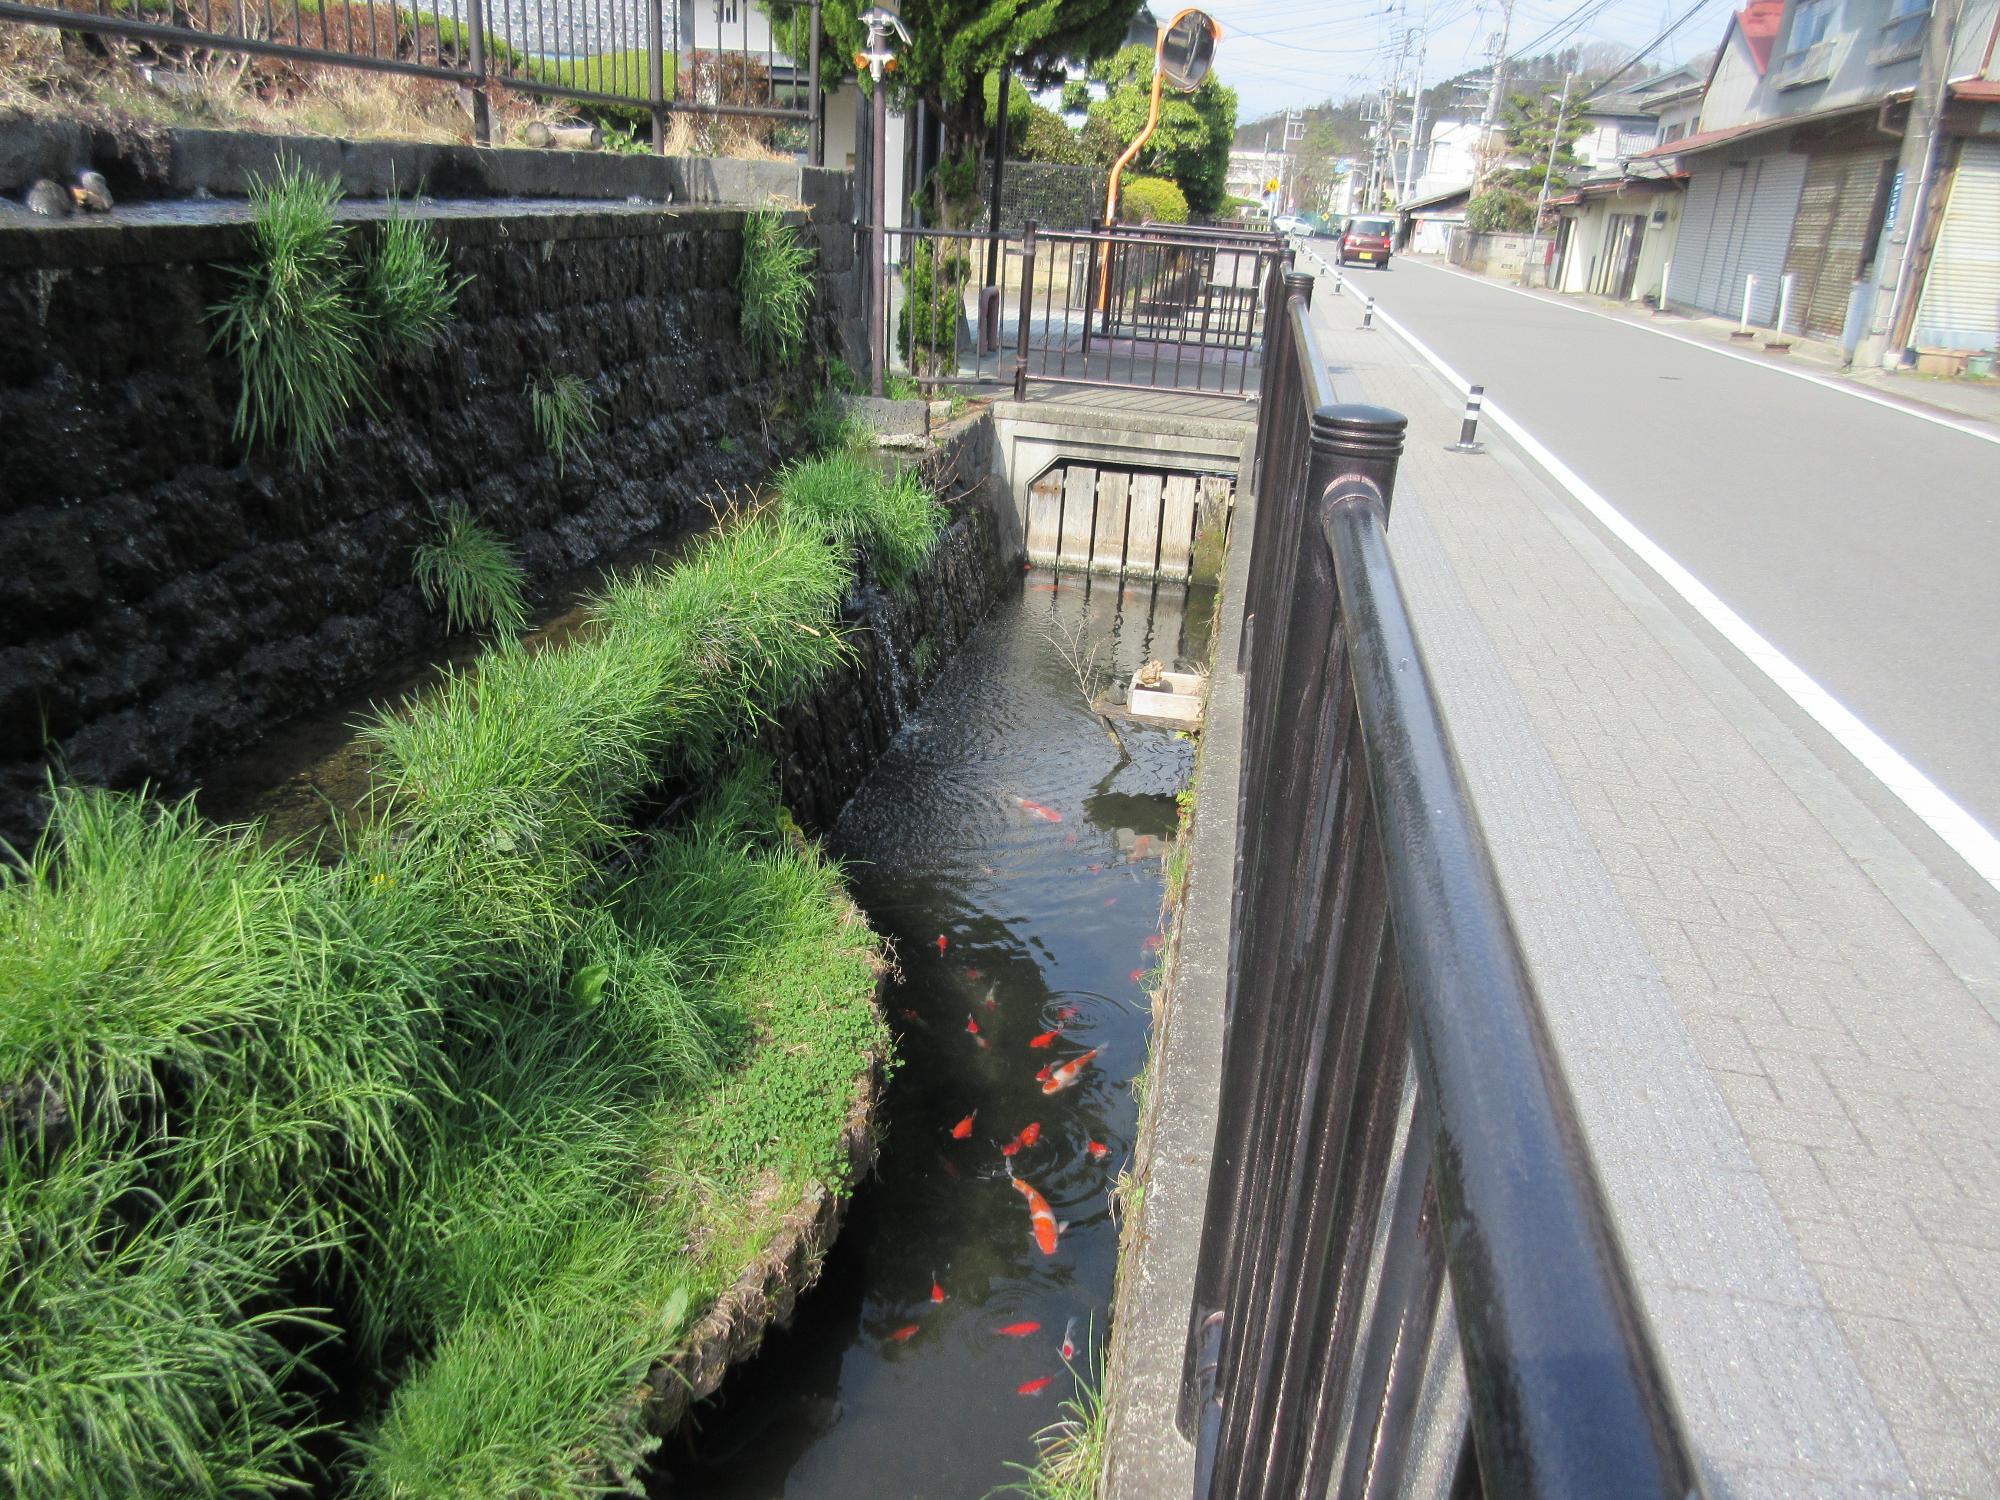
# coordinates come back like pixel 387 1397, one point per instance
pixel 1138 307
pixel 1392 1114
pixel 658 58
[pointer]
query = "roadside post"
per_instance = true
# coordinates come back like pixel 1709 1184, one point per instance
pixel 1742 328
pixel 1468 427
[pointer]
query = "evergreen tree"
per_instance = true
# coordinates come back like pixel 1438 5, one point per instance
pixel 1191 142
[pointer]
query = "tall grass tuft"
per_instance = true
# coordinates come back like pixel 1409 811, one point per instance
pixel 898 520
pixel 832 428
pixel 472 573
pixel 293 324
pixel 407 290
pixel 1073 1451
pixel 565 414
pixel 775 282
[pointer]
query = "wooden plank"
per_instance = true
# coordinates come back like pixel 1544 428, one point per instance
pixel 1142 525
pixel 1217 493
pixel 1079 513
pixel 1107 553
pixel 1177 526
pixel 1044 516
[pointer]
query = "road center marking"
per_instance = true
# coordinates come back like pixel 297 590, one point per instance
pixel 1968 838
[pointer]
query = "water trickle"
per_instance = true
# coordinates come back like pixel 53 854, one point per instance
pixel 1005 821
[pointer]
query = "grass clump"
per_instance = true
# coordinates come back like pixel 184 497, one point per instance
pixel 897 520
pixel 565 413
pixel 407 291
pixel 775 282
pixel 1073 1448
pixel 293 324
pixel 471 572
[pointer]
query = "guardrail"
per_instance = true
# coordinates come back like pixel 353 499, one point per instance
pixel 607 52
pixel 1392 1113
pixel 1123 307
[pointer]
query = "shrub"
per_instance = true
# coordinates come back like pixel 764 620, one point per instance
pixel 1151 200
pixel 775 281
pixel 293 325
pixel 472 572
pixel 565 414
pixel 933 306
pixel 1046 138
pixel 407 291
pixel 1499 211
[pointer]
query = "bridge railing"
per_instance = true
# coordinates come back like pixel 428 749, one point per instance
pixel 610 52
pixel 1392 1113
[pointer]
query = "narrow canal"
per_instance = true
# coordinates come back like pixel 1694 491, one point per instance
pixel 1016 857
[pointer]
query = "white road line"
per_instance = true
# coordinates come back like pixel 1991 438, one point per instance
pixel 1968 838
pixel 1845 388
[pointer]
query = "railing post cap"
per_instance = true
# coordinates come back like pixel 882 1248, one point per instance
pixel 1358 430
pixel 1299 281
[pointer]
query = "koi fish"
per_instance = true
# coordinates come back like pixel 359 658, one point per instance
pixel 1036 810
pixel 1097 869
pixel 1042 588
pixel 1069 1341
pixel 904 1334
pixel 1030 1133
pixel 941 942
pixel 1042 1073
pixel 1019 1330
pixel 971 1025
pixel 1067 1074
pixel 964 1127
pixel 1098 1150
pixel 1068 1013
pixel 1041 1217
pixel 1155 941
pixel 1138 976
pixel 1046 1039
pixel 974 975
pixel 1034 1387
pixel 950 1168
pixel 1070 837
pixel 937 1290
pixel 989 1002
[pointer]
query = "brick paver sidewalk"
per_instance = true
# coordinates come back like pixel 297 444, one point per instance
pixel 1790 1075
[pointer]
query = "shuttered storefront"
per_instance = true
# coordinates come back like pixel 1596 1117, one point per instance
pixel 1830 239
pixel 1748 229
pixel 1960 308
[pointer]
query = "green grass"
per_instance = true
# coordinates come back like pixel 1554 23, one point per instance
pixel 842 494
pixel 472 573
pixel 831 427
pixel 293 324
pixel 1071 1463
pixel 565 413
pixel 407 290
pixel 774 280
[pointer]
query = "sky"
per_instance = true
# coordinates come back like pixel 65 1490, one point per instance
pixel 1279 53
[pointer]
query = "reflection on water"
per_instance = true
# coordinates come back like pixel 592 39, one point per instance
pixel 1015 857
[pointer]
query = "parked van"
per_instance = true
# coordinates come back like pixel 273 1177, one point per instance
pixel 1367 239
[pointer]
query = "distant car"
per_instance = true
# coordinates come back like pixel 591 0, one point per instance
pixel 1290 224
pixel 1367 239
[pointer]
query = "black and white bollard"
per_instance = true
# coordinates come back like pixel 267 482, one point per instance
pixel 1468 429
pixel 1367 314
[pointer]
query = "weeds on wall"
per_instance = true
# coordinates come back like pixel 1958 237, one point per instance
pixel 897 520
pixel 565 413
pixel 307 322
pixel 472 574
pixel 1070 1465
pixel 775 282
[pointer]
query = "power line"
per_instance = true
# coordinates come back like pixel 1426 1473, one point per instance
pixel 1633 61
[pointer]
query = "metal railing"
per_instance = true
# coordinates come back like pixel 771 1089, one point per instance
pixel 1392 1114
pixel 1146 307
pixel 627 53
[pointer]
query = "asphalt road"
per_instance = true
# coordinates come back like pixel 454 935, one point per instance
pixel 1862 541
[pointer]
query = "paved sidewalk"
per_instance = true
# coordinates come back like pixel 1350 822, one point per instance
pixel 1977 399
pixel 1782 1035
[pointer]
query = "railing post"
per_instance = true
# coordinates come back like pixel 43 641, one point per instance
pixel 656 89
pixel 1352 441
pixel 1027 310
pixel 1090 292
pixel 475 61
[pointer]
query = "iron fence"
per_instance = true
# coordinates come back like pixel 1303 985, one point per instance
pixel 638 55
pixel 1392 1115
pixel 1152 307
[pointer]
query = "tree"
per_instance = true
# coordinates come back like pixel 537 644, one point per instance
pixel 1191 142
pixel 955 44
pixel 1316 173
pixel 1532 168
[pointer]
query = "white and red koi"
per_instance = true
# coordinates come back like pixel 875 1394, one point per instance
pixel 1042 1073
pixel 1036 810
pixel 1069 1340
pixel 1097 1150
pixel 941 943
pixel 1062 1077
pixel 1041 1218
pixel 1068 1013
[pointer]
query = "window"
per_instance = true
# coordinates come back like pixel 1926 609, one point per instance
pixel 1810 55
pixel 1902 35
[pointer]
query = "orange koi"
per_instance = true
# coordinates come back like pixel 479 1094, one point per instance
pixel 904 1334
pixel 1069 1341
pixel 1138 976
pixel 1098 1150
pixel 937 1291
pixel 1034 1387
pixel 1042 1073
pixel 1067 1074
pixel 1036 810
pixel 1019 1330
pixel 1097 869
pixel 964 1127
pixel 1046 1039
pixel 1030 1133
pixel 1068 1013
pixel 941 942
pixel 1155 941
pixel 1041 1217
pixel 971 1025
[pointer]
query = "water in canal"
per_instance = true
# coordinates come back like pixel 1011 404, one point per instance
pixel 1005 823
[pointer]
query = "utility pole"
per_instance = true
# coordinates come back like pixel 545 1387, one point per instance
pixel 1548 171
pixel 1416 107
pixel 1494 88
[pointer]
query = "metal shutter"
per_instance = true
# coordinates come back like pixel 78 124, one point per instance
pixel 1691 239
pixel 1711 288
pixel 1829 238
pixel 1960 308
pixel 1763 233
